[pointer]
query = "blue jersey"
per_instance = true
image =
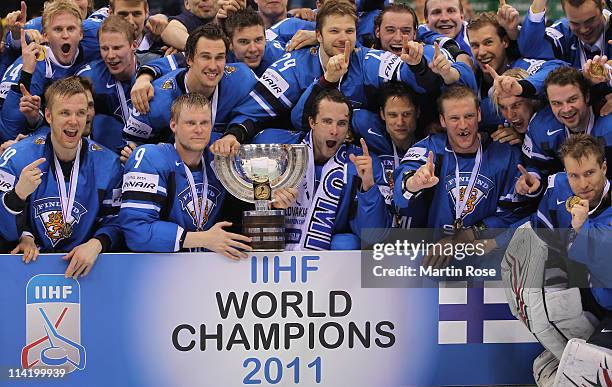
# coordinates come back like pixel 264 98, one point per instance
pixel 544 138
pixel 111 100
pixel 355 210
pixel 45 73
pixel 558 41
pixel 369 126
pixel 424 34
pixel 158 206
pixel 96 205
pixel 283 84
pixel 284 30
pixel 492 202
pixel 589 244
pixel 236 83
pixel 274 51
pixel 361 86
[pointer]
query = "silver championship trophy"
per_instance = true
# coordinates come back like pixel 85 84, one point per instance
pixel 252 176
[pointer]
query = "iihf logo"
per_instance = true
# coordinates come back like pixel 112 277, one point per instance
pixel 53 324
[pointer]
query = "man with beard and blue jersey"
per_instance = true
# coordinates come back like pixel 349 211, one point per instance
pixel 39 66
pixel 225 85
pixel 356 72
pixel 578 200
pixel 464 180
pixel 339 196
pixel 61 192
pixel 568 113
pixel 172 197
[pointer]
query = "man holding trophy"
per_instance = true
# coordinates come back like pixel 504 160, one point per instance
pixel 338 194
pixel 172 194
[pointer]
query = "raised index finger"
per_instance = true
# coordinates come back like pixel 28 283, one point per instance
pixel 24 91
pixel 24 11
pixel 364 146
pixel 347 51
pixel 430 162
pixel 491 71
pixel 436 50
pixel 35 163
pixel 23 39
pixel 523 171
pixel 502 3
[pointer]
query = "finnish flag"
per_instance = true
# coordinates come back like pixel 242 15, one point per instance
pixel 477 315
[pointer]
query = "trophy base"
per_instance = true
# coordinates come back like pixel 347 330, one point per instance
pixel 265 228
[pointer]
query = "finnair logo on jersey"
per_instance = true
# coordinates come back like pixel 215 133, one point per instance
pixel 49 212
pixel 53 324
pixel 478 316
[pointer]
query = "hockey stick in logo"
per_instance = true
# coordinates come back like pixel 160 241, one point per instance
pixel 54 360
pixel 27 348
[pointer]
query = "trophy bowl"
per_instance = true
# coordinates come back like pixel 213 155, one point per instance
pixel 253 176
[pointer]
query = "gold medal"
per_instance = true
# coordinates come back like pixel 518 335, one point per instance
pixel 571 202
pixel 42 53
pixel 597 70
pixel 67 230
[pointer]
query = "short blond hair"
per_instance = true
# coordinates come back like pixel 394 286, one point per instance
pixel 188 101
pixel 56 7
pixel 115 23
pixel 64 88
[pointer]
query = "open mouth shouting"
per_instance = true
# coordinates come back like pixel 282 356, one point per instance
pixel 396 49
pixel 65 48
pixel 570 116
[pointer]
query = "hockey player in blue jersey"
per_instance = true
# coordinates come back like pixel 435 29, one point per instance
pixel 569 112
pixel 62 57
pixel 225 85
pixel 61 192
pixel 446 17
pixel 171 195
pixel 389 134
pixel 246 32
pixel 580 36
pixel 339 195
pixel 490 43
pixel 112 78
pixel 463 179
pixel 360 73
pixel 578 200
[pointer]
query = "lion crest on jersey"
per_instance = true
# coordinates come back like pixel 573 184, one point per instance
pixel 482 188
pixel 49 212
pixel 187 202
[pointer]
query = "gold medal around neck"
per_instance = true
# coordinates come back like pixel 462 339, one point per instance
pixel 42 53
pixel 571 202
pixel 67 230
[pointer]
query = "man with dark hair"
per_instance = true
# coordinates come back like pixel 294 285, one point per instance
pixel 462 179
pixel 584 32
pixel 569 112
pixel 336 63
pixel 340 185
pixel 61 191
pixel 179 208
pixel 390 133
pixel 392 24
pixel 247 35
pixel 225 85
